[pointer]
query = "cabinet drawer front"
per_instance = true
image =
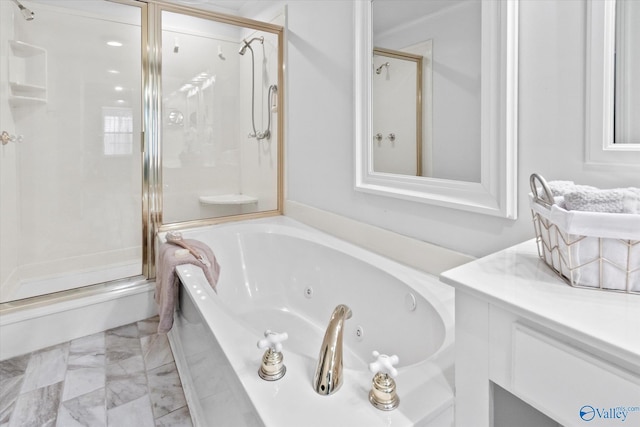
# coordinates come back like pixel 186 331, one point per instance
pixel 570 385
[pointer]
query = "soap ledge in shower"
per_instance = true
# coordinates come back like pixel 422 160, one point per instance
pixel 228 199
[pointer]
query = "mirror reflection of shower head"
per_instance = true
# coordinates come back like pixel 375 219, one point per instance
pixel 247 44
pixel 26 13
pixel 379 69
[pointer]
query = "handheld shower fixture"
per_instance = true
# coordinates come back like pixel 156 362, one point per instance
pixel 26 13
pixel 379 69
pixel 273 89
pixel 247 44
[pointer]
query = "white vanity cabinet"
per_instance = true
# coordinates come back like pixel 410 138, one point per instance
pixel 573 354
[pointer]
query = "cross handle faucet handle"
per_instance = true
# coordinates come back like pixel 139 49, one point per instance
pixel 384 364
pixel 272 340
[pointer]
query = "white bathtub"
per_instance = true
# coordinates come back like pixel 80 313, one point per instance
pixel 280 275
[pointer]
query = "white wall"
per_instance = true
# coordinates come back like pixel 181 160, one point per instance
pixel 320 145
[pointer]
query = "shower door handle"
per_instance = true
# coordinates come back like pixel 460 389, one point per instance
pixel 6 138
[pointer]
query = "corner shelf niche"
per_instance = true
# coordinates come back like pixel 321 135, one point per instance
pixel 27 74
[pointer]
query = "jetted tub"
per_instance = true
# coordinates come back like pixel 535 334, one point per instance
pixel 281 275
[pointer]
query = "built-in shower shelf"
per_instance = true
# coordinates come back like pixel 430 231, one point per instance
pixel 24 50
pixel 27 88
pixel 26 94
pixel 228 199
pixel 17 101
pixel 27 74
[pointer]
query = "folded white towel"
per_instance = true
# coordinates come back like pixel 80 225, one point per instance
pixel 617 200
pixel 560 188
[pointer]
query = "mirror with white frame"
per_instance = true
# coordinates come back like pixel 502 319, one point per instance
pixel 613 92
pixel 493 190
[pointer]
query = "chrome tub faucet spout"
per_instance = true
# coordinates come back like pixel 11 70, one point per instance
pixel 328 377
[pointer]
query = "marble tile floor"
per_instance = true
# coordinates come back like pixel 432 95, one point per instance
pixel 121 377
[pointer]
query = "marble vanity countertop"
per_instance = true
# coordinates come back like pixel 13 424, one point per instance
pixel 517 280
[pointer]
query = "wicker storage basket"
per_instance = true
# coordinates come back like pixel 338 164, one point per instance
pixel 587 249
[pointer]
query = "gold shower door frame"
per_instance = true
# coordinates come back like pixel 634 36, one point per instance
pixel 152 156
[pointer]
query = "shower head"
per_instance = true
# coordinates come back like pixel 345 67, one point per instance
pixel 379 69
pixel 26 13
pixel 247 44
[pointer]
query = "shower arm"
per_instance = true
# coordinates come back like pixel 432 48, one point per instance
pixel 26 13
pixel 379 69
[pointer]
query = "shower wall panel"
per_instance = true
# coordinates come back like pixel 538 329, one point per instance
pixel 200 132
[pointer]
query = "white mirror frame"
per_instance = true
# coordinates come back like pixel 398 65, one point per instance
pixel 496 193
pixel 599 113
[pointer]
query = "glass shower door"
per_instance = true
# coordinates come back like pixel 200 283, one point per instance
pixel 221 134
pixel 70 158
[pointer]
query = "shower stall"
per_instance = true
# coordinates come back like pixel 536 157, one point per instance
pixel 121 118
pixel 219 133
